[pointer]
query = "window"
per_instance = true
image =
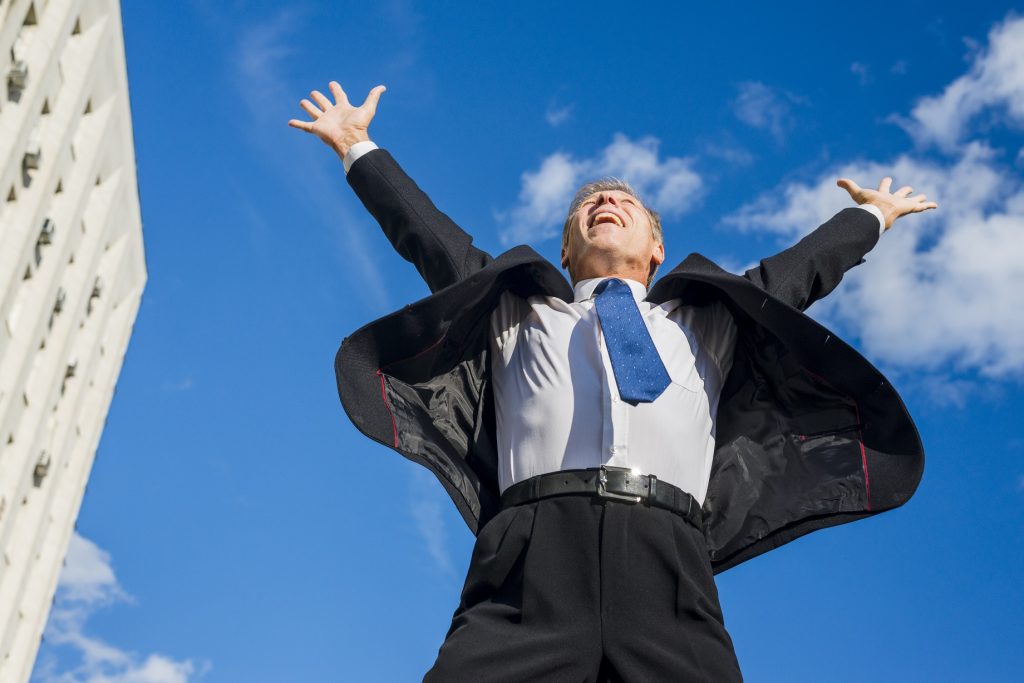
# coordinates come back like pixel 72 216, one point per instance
pixel 68 374
pixel 41 469
pixel 33 152
pixel 58 306
pixel 97 289
pixel 45 239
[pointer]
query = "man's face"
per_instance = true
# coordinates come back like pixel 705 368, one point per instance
pixel 611 233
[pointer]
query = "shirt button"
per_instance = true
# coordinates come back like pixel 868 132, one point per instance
pixel 613 449
pixel 615 399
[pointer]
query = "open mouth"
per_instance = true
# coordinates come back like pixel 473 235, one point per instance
pixel 606 217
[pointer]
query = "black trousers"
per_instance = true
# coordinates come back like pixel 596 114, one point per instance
pixel 578 588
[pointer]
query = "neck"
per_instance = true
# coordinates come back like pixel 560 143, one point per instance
pixel 622 271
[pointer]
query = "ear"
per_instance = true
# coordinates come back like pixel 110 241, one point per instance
pixel 565 258
pixel 658 256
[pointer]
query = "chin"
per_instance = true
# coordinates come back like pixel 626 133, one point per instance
pixel 611 240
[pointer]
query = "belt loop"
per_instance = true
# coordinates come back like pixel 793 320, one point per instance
pixel 652 491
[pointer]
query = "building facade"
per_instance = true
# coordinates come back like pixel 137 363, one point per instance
pixel 72 270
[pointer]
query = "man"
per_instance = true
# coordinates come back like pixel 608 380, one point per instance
pixel 612 446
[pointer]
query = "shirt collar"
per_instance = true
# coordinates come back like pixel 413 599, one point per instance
pixel 584 289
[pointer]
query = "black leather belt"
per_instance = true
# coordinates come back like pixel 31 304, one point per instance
pixel 614 483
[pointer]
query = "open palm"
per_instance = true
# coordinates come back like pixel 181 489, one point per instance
pixel 892 204
pixel 339 124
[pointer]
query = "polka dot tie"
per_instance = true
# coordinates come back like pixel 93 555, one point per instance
pixel 639 372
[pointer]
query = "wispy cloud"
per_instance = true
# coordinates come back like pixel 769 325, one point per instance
pixel 670 185
pixel 761 106
pixel 729 151
pixel 862 72
pixel 995 81
pixel 427 503
pixel 88 584
pixel 939 295
pixel 258 68
pixel 405 22
pixel 556 115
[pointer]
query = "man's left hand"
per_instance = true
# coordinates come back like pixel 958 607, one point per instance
pixel 892 204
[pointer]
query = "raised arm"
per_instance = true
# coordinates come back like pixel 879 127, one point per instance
pixel 812 267
pixel 442 252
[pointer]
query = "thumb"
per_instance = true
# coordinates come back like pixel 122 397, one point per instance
pixel 371 100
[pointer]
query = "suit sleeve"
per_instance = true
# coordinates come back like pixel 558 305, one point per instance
pixel 812 267
pixel 442 252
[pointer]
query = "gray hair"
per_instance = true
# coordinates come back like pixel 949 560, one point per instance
pixel 607 184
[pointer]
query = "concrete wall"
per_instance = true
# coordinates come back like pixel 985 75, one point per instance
pixel 72 270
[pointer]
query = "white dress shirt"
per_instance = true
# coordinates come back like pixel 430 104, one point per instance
pixel 556 401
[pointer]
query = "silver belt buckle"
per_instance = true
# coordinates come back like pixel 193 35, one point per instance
pixel 602 485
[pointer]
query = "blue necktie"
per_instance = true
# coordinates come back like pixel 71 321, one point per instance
pixel 639 372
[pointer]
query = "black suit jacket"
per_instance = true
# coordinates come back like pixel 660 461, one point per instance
pixel 809 433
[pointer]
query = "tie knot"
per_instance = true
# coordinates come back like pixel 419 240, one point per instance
pixel 611 285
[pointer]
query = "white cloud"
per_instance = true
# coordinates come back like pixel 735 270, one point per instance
pixel 88 575
pixel 941 289
pixel 669 185
pixel 87 584
pixel 766 108
pixel 427 503
pixel 994 81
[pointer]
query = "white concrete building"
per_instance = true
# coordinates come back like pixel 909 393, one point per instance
pixel 72 270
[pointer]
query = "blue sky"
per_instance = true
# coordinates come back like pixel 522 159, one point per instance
pixel 234 529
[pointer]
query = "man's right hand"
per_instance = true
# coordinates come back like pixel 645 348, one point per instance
pixel 339 125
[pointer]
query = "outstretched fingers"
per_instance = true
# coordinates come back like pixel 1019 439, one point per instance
pixel 311 109
pixel 331 119
pixel 339 95
pixel 321 99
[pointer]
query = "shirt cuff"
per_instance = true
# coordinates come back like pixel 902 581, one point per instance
pixel 867 207
pixel 357 150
